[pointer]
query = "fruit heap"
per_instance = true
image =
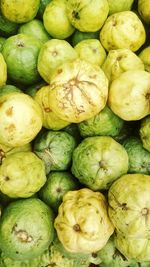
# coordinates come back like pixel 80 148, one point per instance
pixel 74 133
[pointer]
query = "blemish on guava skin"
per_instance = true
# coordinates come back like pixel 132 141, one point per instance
pixel 11 127
pixel 47 110
pixel 9 111
pixel 2 155
pixel 77 228
pixel 75 14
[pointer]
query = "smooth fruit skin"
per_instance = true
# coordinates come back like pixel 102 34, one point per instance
pixel 3 71
pixel 20 11
pixel 26 229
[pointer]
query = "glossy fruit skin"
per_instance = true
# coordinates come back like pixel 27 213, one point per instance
pixel 21 54
pixel 26 229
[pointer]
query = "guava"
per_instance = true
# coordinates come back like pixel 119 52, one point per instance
pixel 145 132
pixel 55 19
pixel 129 205
pixel 92 51
pixel 87 16
pixel 8 88
pixel 3 70
pixel 2 41
pixel 19 127
pixel 82 223
pixel 57 184
pixel 122 93
pixel 52 54
pixel 95 162
pixel 119 61
pixel 123 30
pixel 7 27
pixel 22 174
pixel 144 10
pixel 134 248
pixel 32 90
pixel 80 36
pixel 104 123
pixel 55 148
pixel 139 158
pixel 145 57
pixel 19 11
pixel 119 5
pixel 78 90
pixel 21 54
pixel 50 119
pixel 36 29
pixel 26 229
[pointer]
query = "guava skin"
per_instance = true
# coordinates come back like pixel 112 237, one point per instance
pixel 139 158
pixel 144 10
pixel 22 174
pixel 95 162
pixel 145 57
pixel 145 132
pixel 26 229
pixel 80 36
pixel 123 30
pixel 78 90
pixel 129 208
pixel 119 5
pixel 104 123
pixel 3 70
pixel 55 148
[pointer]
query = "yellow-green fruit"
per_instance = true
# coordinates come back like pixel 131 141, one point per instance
pixel 123 30
pixel 20 11
pixel 50 119
pixel 119 61
pixel 22 174
pixel 87 16
pixel 3 70
pixel 82 223
pixel 92 51
pixel 20 119
pixel 119 5
pixel 56 21
pixel 144 10
pixel 78 90
pixel 52 54
pixel 129 95
pixel 145 57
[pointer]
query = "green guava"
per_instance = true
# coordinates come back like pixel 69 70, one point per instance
pixel 36 29
pixel 52 54
pixel 145 57
pixel 119 5
pixel 144 10
pixel 26 229
pixel 123 30
pixel 7 27
pixel 50 119
pixel 22 174
pixel 19 11
pixel 57 184
pixel 78 90
pixel 137 249
pixel 87 16
pixel 80 36
pixel 95 162
pixel 145 132
pixel 55 19
pixel 2 41
pixel 119 61
pixel 129 205
pixel 55 148
pixel 19 128
pixel 8 88
pixel 139 158
pixel 122 94
pixel 92 51
pixel 21 54
pixel 104 123
pixel 82 223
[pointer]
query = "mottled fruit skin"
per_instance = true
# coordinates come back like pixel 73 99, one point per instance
pixel 129 208
pixel 26 229
pixel 139 158
pixel 82 223
pixel 22 174
pixel 55 148
pixel 123 30
pixel 95 162
pixel 78 90
pixel 20 11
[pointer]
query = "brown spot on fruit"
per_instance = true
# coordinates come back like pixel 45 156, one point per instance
pixel 11 127
pixel 77 228
pixel 9 111
pixel 144 211
pixel 47 110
